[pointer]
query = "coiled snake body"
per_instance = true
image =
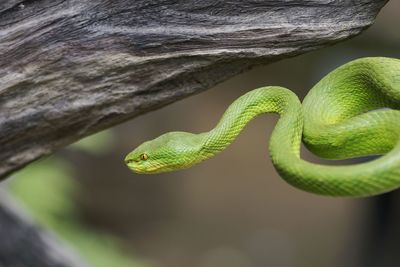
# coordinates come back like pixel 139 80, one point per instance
pixel 351 112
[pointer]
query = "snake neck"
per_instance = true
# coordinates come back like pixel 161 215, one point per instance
pixel 270 99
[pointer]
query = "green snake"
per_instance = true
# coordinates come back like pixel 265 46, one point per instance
pixel 352 112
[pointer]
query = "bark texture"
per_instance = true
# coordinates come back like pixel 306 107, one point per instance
pixel 69 68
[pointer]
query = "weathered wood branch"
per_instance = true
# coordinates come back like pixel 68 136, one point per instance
pixel 69 68
pixel 24 244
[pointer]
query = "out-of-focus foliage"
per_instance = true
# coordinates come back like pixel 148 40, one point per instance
pixel 46 189
pixel 100 143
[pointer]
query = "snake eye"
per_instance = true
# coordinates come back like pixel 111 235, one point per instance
pixel 143 156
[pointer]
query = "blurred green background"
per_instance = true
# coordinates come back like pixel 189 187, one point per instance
pixel 231 211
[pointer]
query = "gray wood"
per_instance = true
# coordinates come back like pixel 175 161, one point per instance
pixel 69 68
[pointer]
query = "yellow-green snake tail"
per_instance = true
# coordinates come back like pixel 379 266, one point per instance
pixel 351 112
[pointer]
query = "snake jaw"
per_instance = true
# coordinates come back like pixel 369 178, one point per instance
pixel 137 169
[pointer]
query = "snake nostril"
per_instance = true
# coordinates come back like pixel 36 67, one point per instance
pixel 129 161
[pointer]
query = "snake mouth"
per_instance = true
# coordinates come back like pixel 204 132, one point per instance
pixel 140 169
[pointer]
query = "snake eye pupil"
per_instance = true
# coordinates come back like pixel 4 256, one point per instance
pixel 144 156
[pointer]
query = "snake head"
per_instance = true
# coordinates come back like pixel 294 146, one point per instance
pixel 168 152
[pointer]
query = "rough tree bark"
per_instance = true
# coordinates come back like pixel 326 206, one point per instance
pixel 69 68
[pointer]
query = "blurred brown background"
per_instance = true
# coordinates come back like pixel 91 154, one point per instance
pixel 234 210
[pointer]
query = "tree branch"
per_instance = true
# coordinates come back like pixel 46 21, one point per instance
pixel 69 68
